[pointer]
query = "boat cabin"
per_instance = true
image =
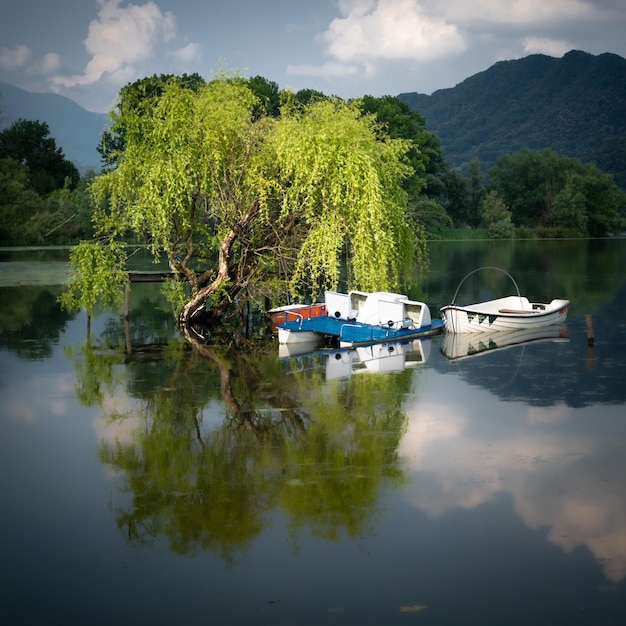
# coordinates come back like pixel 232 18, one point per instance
pixel 381 308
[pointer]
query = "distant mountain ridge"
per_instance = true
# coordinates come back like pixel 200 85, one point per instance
pixel 75 130
pixel 575 105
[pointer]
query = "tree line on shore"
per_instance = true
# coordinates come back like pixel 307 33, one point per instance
pixel 242 184
pixel 44 200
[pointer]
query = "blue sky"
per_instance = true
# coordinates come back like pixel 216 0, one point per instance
pixel 88 49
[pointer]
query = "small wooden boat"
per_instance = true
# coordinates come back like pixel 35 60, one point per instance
pixel 359 318
pixel 508 313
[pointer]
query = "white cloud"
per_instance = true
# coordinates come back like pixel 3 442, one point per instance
pixel 541 45
pixel 19 59
pixel 390 30
pixel 475 446
pixel 50 64
pixel 519 12
pixel 14 58
pixel 120 37
pixel 373 38
pixel 188 54
pixel 371 33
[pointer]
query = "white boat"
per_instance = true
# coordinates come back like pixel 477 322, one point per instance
pixel 510 313
pixel 503 314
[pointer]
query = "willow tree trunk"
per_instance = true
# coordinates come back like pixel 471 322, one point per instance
pixel 196 308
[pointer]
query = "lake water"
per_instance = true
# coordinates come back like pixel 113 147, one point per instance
pixel 441 483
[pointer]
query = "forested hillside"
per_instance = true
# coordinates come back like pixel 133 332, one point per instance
pixel 575 105
pixel 76 130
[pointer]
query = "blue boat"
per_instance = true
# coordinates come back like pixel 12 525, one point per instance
pixel 359 318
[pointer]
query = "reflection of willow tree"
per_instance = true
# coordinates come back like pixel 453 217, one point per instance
pixel 350 448
pixel 228 437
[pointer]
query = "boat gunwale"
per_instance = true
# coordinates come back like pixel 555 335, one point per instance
pixel 547 309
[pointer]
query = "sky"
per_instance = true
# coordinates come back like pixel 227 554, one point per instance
pixel 87 50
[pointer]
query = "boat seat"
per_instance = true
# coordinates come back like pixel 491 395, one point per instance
pixel 515 311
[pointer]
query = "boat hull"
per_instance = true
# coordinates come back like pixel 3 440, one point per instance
pixel 350 333
pixel 292 312
pixel 353 334
pixel 358 319
pixel 289 336
pixel 511 313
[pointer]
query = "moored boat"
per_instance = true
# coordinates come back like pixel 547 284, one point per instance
pixel 360 318
pixel 502 314
pixel 509 313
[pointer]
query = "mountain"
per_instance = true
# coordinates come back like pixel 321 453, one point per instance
pixel 575 105
pixel 75 130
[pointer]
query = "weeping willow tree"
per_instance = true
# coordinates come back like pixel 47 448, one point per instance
pixel 234 199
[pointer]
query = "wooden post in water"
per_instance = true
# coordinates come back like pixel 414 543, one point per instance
pixel 589 330
pixel 589 360
pixel 127 318
pixel 127 300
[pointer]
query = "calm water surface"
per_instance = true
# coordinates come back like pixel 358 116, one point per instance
pixel 441 483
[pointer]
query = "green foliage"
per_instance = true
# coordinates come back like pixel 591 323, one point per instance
pixel 431 215
pixel 546 189
pixel 234 197
pixel 134 97
pixel 17 201
pixel 502 229
pixel 98 277
pixel 573 105
pixel 569 208
pixel 476 194
pixel 27 142
pixel 496 217
pixel 344 175
pixel 268 96
pixel 42 199
pixel 605 203
pixel 301 98
pixel 424 155
pixel 63 217
pixel 465 234
pixel 455 198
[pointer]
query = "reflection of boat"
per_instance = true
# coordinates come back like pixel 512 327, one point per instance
pixel 377 358
pixel 374 358
pixel 296 348
pixel 456 346
pixel 509 313
pixel 359 318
